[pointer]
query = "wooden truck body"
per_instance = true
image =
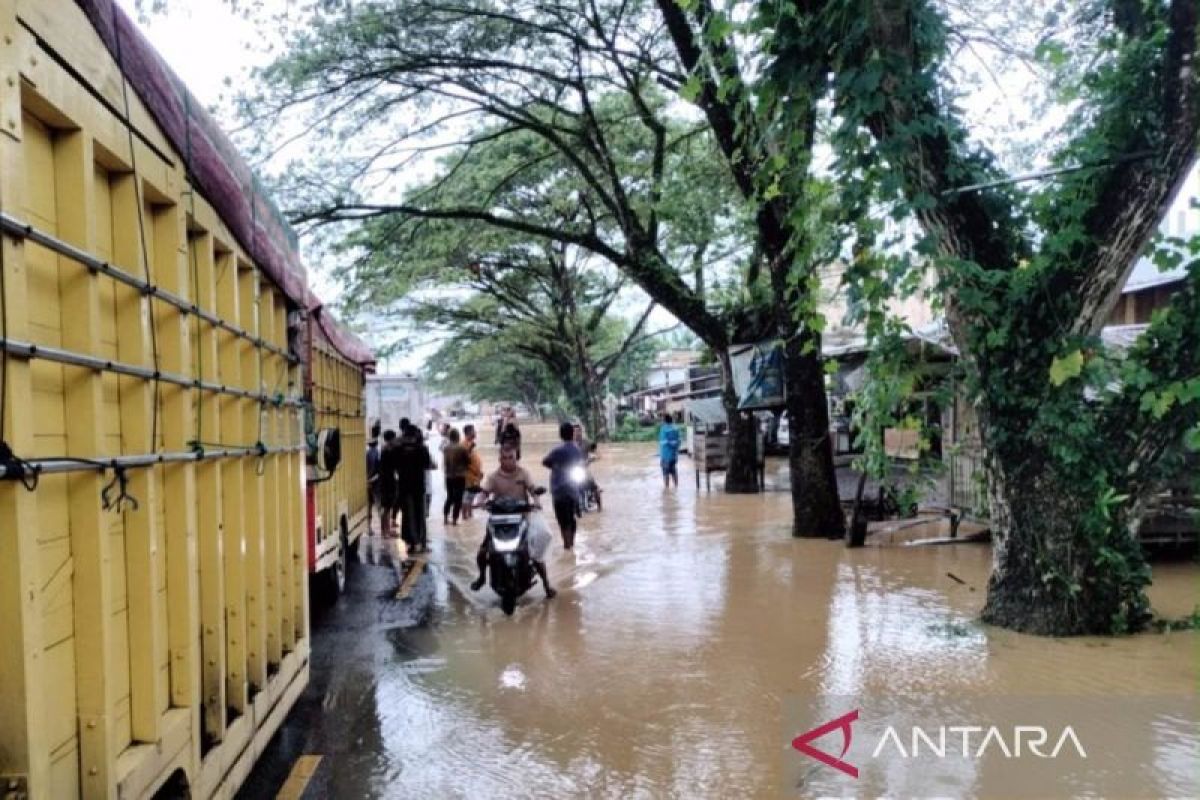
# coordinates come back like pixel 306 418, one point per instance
pixel 154 551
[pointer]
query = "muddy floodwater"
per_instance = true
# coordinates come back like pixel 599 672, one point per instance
pixel 685 623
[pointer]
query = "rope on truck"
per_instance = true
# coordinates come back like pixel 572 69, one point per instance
pixel 23 230
pixel 143 250
pixel 26 469
pixel 115 495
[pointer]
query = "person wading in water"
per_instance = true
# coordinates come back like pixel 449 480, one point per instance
pixel 386 486
pixel 560 461
pixel 511 438
pixel 474 470
pixel 668 451
pixel 412 462
pixel 455 461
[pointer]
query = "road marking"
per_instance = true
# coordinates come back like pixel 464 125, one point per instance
pixel 410 580
pixel 297 782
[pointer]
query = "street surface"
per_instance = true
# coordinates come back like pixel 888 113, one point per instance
pixel 683 625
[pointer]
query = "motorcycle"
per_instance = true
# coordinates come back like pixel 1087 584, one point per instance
pixel 588 491
pixel 510 564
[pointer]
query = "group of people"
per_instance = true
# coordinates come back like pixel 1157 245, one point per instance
pixel 464 472
pixel 400 475
pixel 399 472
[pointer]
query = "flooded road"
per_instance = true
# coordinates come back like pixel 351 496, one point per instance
pixel 684 623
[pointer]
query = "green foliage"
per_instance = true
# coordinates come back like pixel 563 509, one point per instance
pixel 563 133
pixel 1189 623
pixel 1063 368
pixel 1070 426
pixel 489 370
pixel 629 430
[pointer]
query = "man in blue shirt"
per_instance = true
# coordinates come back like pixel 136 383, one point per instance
pixel 668 451
pixel 564 491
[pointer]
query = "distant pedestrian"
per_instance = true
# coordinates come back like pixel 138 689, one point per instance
pixel 372 476
pixel 429 484
pixel 561 461
pixel 413 463
pixel 387 487
pixel 668 451
pixel 474 470
pixel 511 438
pixel 455 461
pixel 404 426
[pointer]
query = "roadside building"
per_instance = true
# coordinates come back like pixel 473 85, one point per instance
pixel 675 377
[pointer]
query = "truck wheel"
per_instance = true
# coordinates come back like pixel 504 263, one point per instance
pixel 335 576
pixel 352 551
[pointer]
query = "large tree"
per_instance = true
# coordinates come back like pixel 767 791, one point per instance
pixel 390 80
pixel 539 299
pixel 490 370
pixel 1075 438
pixel 768 140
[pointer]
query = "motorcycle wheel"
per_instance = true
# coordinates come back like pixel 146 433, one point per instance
pixel 508 604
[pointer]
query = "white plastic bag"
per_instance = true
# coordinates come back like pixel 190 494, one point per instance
pixel 540 536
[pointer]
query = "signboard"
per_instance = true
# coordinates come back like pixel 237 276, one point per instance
pixel 902 443
pixel 393 392
pixel 758 374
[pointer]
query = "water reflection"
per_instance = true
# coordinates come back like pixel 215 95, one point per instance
pixel 684 622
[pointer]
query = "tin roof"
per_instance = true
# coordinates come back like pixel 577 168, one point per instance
pixel 1146 275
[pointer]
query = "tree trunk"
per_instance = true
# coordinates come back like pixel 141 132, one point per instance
pixel 741 474
pixel 597 427
pixel 1055 572
pixel 533 399
pixel 816 508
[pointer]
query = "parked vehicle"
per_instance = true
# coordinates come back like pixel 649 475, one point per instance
pixel 510 569
pixel 337 501
pixel 169 385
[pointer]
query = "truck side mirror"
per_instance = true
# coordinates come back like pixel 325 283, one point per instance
pixel 325 453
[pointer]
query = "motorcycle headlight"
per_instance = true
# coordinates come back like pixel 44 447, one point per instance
pixel 577 474
pixel 506 545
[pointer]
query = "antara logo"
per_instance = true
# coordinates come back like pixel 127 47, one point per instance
pixel 843 722
pixel 967 741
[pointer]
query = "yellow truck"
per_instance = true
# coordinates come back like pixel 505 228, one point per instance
pixel 335 391
pixel 158 410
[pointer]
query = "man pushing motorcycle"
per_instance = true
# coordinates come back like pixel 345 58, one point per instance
pixel 512 482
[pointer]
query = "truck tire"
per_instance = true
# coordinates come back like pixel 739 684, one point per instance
pixel 336 576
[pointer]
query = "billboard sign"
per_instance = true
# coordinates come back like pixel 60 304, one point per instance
pixel 758 374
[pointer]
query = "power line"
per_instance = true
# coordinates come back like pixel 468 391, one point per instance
pixel 1049 173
